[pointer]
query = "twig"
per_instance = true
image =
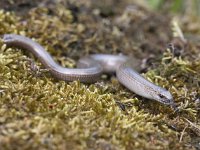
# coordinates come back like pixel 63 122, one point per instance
pixel 177 32
pixel 182 133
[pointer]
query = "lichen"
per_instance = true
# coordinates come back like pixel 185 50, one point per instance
pixel 38 111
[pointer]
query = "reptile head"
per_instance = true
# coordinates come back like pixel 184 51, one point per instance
pixel 165 97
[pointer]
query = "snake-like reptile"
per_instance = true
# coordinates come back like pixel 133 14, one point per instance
pixel 91 67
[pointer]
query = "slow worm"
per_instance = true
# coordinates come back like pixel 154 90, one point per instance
pixel 91 67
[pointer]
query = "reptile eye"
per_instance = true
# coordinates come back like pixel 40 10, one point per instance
pixel 161 96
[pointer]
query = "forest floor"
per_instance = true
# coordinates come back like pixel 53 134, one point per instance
pixel 38 111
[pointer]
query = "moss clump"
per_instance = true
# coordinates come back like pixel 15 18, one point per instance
pixel 40 112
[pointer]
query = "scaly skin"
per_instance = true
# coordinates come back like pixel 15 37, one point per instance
pixel 91 67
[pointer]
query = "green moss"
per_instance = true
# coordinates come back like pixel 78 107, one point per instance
pixel 40 112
